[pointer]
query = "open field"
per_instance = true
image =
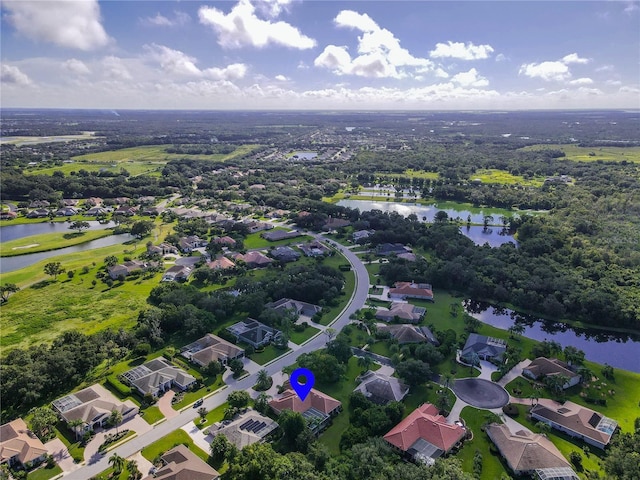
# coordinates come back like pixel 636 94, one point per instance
pixel 592 154
pixel 410 173
pixel 26 140
pixel 43 308
pixel 135 168
pixel 505 178
pixel 49 241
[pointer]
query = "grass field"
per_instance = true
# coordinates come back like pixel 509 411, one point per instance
pixel 44 473
pixel 167 442
pixel 410 173
pixel 254 240
pixel 270 353
pixel 300 337
pixel 152 414
pixel 505 178
pixel 44 308
pixel 492 466
pixel 592 154
pixel 49 241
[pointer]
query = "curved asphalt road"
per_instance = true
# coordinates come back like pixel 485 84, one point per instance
pixel 138 443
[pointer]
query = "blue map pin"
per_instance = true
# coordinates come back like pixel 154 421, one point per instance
pixel 302 389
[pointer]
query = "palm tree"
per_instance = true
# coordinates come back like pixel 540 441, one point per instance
pixel 117 462
pixel 115 418
pixel 132 468
pixel 365 362
pixel 446 379
pixel 516 329
pixel 263 380
pixel 74 424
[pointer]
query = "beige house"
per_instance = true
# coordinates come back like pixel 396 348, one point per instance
pixel 543 367
pixel 249 428
pixel 180 463
pixel 211 348
pixel 19 446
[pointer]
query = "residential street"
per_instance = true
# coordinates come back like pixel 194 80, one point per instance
pixel 189 414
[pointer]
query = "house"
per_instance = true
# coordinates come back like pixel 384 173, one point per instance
pixel 39 204
pixel 225 241
pixel 361 235
pixel 526 452
pixel 38 213
pixel 404 290
pixel 7 215
pixel 410 334
pixel 211 348
pixel 576 421
pixel 409 256
pixel 386 249
pixel 125 210
pixel 300 308
pixel 157 376
pixel 92 406
pixel 254 259
pixel 121 200
pixel 381 389
pixel 190 243
pixel 255 226
pixel 147 200
pixel 425 435
pixel 254 333
pixel 334 223
pixel 177 273
pixel 96 211
pixel 93 201
pixel 404 312
pixel 180 463
pixel 162 249
pixel 318 408
pixel 66 212
pixel 481 347
pixel 277 235
pixel 314 249
pixel 68 202
pixel 285 254
pixel 19 446
pixel 543 367
pixel 221 263
pixel 126 268
pixel 249 428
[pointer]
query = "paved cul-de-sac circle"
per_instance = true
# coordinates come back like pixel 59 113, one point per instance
pixel 480 393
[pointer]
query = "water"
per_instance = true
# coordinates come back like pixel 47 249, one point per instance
pixel 13 232
pixel 305 155
pixel 492 236
pixel 620 350
pixel 9 264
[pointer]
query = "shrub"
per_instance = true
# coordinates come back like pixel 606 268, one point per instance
pixel 511 410
pixel 120 387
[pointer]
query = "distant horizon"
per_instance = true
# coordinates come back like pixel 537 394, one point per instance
pixel 320 55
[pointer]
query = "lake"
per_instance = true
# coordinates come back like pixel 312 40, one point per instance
pixel 492 235
pixel 9 264
pixel 304 155
pixel 620 350
pixel 13 232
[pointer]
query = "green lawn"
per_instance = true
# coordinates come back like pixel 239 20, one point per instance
pixel 255 240
pixel 427 393
pixel 492 466
pixel 270 353
pixel 300 337
pixel 44 473
pixel 505 178
pixel 49 241
pixel 410 173
pixel 215 415
pixel 69 439
pixel 591 154
pixel 167 442
pixel 152 414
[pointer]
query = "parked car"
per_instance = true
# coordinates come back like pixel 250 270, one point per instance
pixel 198 403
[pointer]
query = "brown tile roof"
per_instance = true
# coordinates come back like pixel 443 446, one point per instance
pixel 255 258
pixel 425 423
pixel 315 399
pixel 525 451
pixel 221 263
pixel 17 440
pixel 182 464
pixel 542 366
pixel 411 289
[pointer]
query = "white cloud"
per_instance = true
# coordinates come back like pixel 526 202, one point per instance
pixel 631 7
pixel 440 73
pixel 114 68
pixel 605 68
pixel 13 75
pixel 581 81
pixel 501 57
pixel 241 28
pixel 70 24
pixel 281 78
pixel 574 58
pixel 159 20
pixel 615 83
pixel 461 51
pixel 76 66
pixel 546 70
pixel 272 8
pixel 179 63
pixel 379 52
pixel 470 79
pixel 235 71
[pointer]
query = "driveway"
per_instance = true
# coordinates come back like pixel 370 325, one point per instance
pixel 200 439
pixel 164 404
pixel 60 454
pixel 480 393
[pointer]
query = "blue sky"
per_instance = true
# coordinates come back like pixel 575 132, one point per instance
pixel 297 54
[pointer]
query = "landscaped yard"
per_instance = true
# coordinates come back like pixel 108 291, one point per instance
pixel 255 240
pixel 167 442
pixel 492 466
pixel 300 337
pixel 152 414
pixel 427 393
pixel 215 415
pixel 270 353
pixel 44 473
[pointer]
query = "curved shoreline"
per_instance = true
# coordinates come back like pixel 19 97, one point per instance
pixel 8 252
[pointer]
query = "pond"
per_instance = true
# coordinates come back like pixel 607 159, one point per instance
pixel 304 155
pixel 13 232
pixel 620 350
pixel 494 236
pixel 9 264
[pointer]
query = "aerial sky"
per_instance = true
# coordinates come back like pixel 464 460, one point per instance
pixel 320 54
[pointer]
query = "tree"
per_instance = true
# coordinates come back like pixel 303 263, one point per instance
pixel 573 356
pixel 238 399
pixel 264 381
pixel 236 366
pixel 441 217
pixel 413 372
pixel 330 333
pixel 576 459
pixel 623 461
pixel 134 472
pixel 340 349
pixel 607 372
pixel 202 412
pixel 6 290
pixel 213 368
pixel 117 462
pixel 141 228
pixel 79 225
pixel 261 403
pixel 292 424
pixel 516 330
pixel 54 269
pixel 365 362
pixel 111 261
pixel 115 418
pixel 219 447
pixel 556 383
pixel 74 424
pixel 43 419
